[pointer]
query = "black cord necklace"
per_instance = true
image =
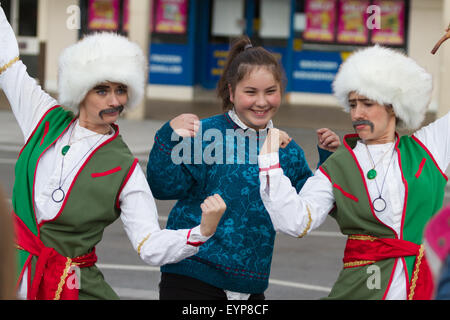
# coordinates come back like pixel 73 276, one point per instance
pixel 58 195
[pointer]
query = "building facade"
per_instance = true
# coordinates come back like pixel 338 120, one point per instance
pixel 187 40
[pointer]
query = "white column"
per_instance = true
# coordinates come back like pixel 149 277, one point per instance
pixel 43 18
pixel 58 35
pixel 139 32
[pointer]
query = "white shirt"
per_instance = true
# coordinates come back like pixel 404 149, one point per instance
pixel 138 210
pixel 288 211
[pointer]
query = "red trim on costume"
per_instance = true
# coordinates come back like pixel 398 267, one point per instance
pixel 390 280
pixel 34 131
pixel 429 153
pixel 275 166
pixel 325 173
pixel 348 195
pixel 405 183
pixel 194 244
pixel 130 172
pixel 355 135
pixel 22 272
pixel 35 171
pixel 106 173
pixel 116 128
pixel 378 249
pixel 419 172
pixel 51 267
pixel 47 125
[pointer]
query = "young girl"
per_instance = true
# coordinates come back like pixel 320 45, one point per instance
pixel 235 263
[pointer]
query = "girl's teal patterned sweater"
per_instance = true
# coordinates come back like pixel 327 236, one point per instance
pixel 222 159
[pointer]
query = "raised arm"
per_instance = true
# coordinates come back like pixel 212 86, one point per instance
pixel 171 169
pixel 155 246
pixel 28 101
pixel 293 213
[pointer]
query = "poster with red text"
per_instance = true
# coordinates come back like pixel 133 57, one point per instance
pixel 352 17
pixel 392 23
pixel 320 20
pixel 103 15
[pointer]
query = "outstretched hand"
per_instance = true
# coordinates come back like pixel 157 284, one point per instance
pixel 328 140
pixel 213 209
pixel 8 43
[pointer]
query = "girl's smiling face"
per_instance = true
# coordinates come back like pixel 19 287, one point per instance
pixel 256 97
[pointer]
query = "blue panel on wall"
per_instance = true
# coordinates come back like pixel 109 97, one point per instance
pixel 169 64
pixel 216 57
pixel 314 71
pixel 215 62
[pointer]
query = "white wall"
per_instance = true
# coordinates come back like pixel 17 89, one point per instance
pixel 53 28
pixel 425 29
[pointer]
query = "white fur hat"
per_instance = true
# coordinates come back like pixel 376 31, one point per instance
pixel 387 77
pixel 98 58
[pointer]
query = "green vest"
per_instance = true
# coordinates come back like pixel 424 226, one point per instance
pixel 90 205
pixel 424 194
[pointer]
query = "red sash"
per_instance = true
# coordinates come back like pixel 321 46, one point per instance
pixel 363 250
pixel 52 269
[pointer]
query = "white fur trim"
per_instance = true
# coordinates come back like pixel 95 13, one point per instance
pixel 98 58
pixel 387 77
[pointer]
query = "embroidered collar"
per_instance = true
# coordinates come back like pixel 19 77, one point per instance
pixel 233 115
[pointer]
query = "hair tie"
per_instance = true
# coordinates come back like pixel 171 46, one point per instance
pixel 248 46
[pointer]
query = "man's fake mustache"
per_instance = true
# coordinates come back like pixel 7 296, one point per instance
pixel 111 110
pixel 363 122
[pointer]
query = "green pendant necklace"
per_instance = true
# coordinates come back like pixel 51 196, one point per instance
pixel 372 173
pixel 65 149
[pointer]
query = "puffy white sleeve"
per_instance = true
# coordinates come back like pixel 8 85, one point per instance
pixel 436 137
pixel 28 101
pixel 140 218
pixel 292 213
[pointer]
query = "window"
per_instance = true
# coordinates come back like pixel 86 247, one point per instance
pixel 6 5
pixel 347 24
pixel 170 21
pixel 104 15
pixel 28 18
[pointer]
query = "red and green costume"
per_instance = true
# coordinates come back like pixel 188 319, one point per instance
pixel 51 248
pixel 370 241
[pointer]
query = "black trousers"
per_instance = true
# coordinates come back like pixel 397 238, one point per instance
pixel 179 287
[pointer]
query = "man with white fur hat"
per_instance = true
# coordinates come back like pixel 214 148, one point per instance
pixel 381 188
pixel 75 175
